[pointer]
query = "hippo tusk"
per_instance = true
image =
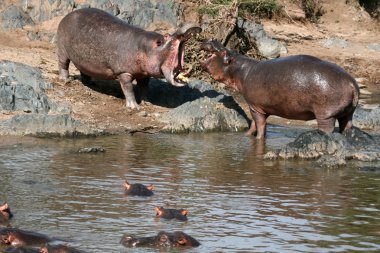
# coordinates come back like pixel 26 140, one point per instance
pixel 169 76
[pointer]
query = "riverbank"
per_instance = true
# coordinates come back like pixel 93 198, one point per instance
pixel 344 35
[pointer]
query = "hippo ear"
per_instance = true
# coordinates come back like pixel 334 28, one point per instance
pixel 158 210
pixel 184 212
pixel 126 185
pixel 150 187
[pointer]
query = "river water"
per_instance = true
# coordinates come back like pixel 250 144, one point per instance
pixel 237 201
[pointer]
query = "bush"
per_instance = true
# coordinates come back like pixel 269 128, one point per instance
pixel 313 9
pixel 258 8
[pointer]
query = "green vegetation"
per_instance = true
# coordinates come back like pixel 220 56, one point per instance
pixel 371 6
pixel 246 8
pixel 313 9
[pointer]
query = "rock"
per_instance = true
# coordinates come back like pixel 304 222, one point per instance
pixel 44 36
pixel 22 89
pixel 199 108
pixel 335 42
pixel 21 73
pixel 44 125
pixel 374 47
pixel 42 10
pixel 331 149
pixel 137 12
pixel 142 114
pixel 13 17
pixel 267 46
pixel 22 98
pixel 92 150
pixel 367 119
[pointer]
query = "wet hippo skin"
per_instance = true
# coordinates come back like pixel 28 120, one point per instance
pixel 138 189
pixel 300 87
pixel 162 239
pixel 168 213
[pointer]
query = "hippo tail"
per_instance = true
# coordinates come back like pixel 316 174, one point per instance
pixel 355 93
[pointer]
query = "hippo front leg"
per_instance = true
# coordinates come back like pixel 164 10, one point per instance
pixel 127 87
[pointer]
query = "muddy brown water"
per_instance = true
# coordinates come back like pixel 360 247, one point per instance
pixel 237 201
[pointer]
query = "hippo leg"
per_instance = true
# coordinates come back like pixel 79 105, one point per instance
pixel 261 124
pixel 345 123
pixel 326 125
pixel 63 66
pixel 142 84
pixel 127 87
pixel 252 129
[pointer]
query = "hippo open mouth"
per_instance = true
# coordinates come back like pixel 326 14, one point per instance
pixel 209 48
pixel 174 65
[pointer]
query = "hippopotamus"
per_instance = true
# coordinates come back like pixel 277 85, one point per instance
pixel 300 87
pixel 59 248
pixel 105 47
pixel 168 213
pixel 5 213
pixel 138 189
pixel 162 239
pixel 21 250
pixel 18 237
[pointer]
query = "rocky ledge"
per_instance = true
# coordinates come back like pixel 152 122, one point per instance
pixel 26 109
pixel 331 150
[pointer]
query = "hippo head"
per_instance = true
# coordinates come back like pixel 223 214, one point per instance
pixel 168 50
pixel 218 60
pixel 181 239
pixel 170 213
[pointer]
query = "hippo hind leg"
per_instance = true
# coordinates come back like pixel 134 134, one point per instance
pixel 258 125
pixel 326 125
pixel 63 67
pixel 345 122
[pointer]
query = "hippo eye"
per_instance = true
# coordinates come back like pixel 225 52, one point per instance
pixel 159 42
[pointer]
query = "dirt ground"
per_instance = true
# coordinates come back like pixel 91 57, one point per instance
pixel 105 109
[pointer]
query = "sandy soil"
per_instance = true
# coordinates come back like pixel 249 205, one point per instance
pixel 103 106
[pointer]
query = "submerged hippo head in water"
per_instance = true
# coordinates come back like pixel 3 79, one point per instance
pixel 103 46
pixel 162 239
pixel 59 248
pixel 297 87
pixel 18 237
pixel 5 213
pixel 168 213
pixel 138 189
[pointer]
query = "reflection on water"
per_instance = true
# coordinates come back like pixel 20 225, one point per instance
pixel 237 201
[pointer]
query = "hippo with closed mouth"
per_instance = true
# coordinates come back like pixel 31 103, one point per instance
pixel 18 237
pixel 103 46
pixel 300 87
pixel 170 213
pixel 162 239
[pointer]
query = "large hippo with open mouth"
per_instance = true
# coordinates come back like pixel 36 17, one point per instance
pixel 299 87
pixel 105 47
